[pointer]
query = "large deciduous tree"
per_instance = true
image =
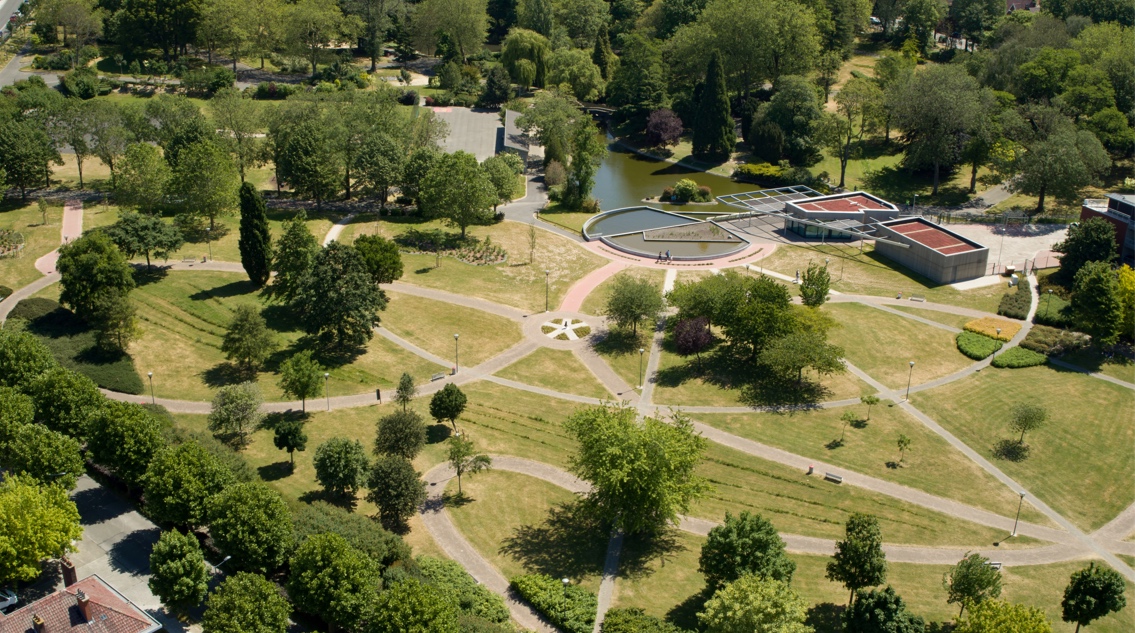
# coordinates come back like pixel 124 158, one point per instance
pixel 178 575
pixel 26 154
pixel 971 581
pixel 744 544
pixel 638 86
pixel 815 284
pixel 340 466
pixel 248 342
pixel 205 182
pixel 48 457
pixel 36 522
pixel 857 110
pixel 142 179
pixel 381 257
pixel 1092 593
pixel 339 301
pixel 90 268
pixel 755 603
pixel 1092 240
pixel 142 234
pixel 332 580
pixel 397 489
pixel 379 163
pixel 458 191
pixel 246 603
pixel 463 21
pixel 179 483
pixel 301 376
pixel 1096 302
pixel 293 259
pixel 859 560
pixel 236 411
pixel 255 241
pixel 240 119
pixel 124 438
pixel 313 25
pixel 880 611
pixel 23 358
pixel 411 606
pixel 401 433
pixel 65 401
pixel 1054 157
pixel 999 615
pixel 448 404
pixel 251 523
pixel 938 105
pixel 633 300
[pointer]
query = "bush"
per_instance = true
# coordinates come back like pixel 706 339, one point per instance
pixel 83 83
pixel 1016 303
pixel 1049 340
pixel 207 81
pixel 232 460
pixel 769 175
pixel 472 624
pixel 1017 357
pixel 469 596
pixel 5 292
pixel 571 609
pixel 686 190
pixel 554 174
pixel 977 346
pixel 635 621
pixel 408 97
pixel 364 534
pixel 1054 310
pixel 988 326
pixel 271 91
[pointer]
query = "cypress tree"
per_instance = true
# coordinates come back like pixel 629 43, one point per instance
pixel 255 240
pixel 713 129
pixel 602 55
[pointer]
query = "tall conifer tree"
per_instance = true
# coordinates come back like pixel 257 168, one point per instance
pixel 255 239
pixel 714 133
pixel 602 55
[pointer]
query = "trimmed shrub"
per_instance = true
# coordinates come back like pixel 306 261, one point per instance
pixel 207 81
pixel 5 292
pixel 988 326
pixel 635 621
pixel 364 534
pixel 83 83
pixel 1017 357
pixel 472 598
pixel 1049 340
pixel 232 460
pixel 977 346
pixel 571 609
pixel 1016 303
pixel 271 91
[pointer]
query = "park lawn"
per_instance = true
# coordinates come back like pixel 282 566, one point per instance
pixel 663 582
pixel 945 318
pixel 67 174
pixel 570 220
pixel 558 370
pixel 39 239
pixel 510 421
pixel 182 320
pixel 800 504
pixel 596 302
pixel 518 282
pixel 507 521
pixel 872 274
pixel 882 344
pixel 620 352
pixel 227 248
pixel 431 325
pixel 1080 462
pixel 930 464
pixel 1091 358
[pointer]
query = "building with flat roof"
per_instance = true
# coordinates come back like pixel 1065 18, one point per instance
pixel 1119 210
pixel 837 211
pixel 931 250
pixel 87 606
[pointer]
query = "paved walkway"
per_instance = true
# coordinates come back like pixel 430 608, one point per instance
pixel 70 228
pixel 337 229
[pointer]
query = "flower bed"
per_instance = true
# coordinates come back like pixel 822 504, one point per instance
pixel 988 326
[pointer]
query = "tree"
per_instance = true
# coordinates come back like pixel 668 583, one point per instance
pixel 236 411
pixel 936 108
pixel 870 401
pixel 691 336
pixel 177 571
pixel 255 238
pixel 293 259
pixel 992 616
pixel 301 376
pixel 332 580
pixel 1092 240
pixel 90 268
pixel 857 107
pixel 713 129
pixel 109 136
pixel 26 152
pixel 581 19
pixel 46 456
pixel 142 179
pixel 179 483
pixel 464 459
pixel 406 392
pixel 920 18
pixel 741 545
pixel 502 177
pixel 1093 592
pixel 124 438
pixel 113 322
pixel 339 301
pixel 795 110
pixel 1127 299
pixel 397 489
pixel 72 127
pixel 251 523
pixel 65 401
pixel 755 603
pixel 313 24
pixel 903 443
pixel 448 404
pixel 23 358
pixel 524 45
pixel 573 68
pixel 1061 163
pixel 340 465
pixel 137 234
pixel 410 606
pixel 36 522
pixel 859 560
pixel 638 86
pixel 602 55
pixel 306 156
pixel 290 436
pixel 246 603
pixel 378 164
pixel 663 128
pixel 984 136
pixel 498 88
pixel 457 191
pixel 642 475
pixel 1096 302
pixel 972 581
pixel 632 300
pixel 247 340
pixel 588 148
pixel 400 433
pixel 814 284
pixel 880 611
pixel 976 17
pixel 240 119
pixel 536 15
pixel 1027 417
pixel 788 355
pixel 206 182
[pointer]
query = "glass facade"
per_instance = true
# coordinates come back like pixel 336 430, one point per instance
pixel 816 232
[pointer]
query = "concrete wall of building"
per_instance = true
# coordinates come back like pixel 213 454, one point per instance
pixel 939 268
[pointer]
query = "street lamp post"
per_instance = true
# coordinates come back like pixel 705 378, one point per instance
pixel 908 377
pixel 1018 519
pixel 998 332
pixel 151 376
pixel 1049 304
pixel 209 240
pixel 566 583
pixel 326 394
pixel 217 567
pixel 641 351
pixel 546 282
pixel 456 354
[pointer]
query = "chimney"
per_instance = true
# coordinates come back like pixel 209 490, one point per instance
pixel 84 605
pixel 39 624
pixel 69 575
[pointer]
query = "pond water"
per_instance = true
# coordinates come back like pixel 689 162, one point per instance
pixel 627 230
pixel 625 179
pixel 640 219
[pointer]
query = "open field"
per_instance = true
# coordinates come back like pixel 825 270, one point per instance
pixel 596 302
pixel 882 345
pixel 19 270
pixel 1080 462
pixel 930 464
pixel 431 325
pixel 872 274
pixel 570 220
pixel 516 282
pixel 945 318
pixel 555 369
pixel 226 248
pixel 510 521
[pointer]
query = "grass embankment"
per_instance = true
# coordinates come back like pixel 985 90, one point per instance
pixel 431 325
pixel 565 219
pixel 227 249
pixel 555 369
pixel 1080 462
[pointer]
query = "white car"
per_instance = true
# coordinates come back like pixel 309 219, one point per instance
pixel 7 599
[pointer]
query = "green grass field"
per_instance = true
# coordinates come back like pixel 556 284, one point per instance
pixel 431 325
pixel 871 274
pixel 596 302
pixel 1093 359
pixel 556 369
pixel 1080 462
pixel 883 344
pixel 40 239
pixel 226 248
pixel 945 318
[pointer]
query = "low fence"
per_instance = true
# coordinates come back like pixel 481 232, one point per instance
pixel 1024 266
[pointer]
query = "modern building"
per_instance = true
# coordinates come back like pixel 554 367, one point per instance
pixel 87 606
pixel 1118 209
pixel 930 250
pixel 850 210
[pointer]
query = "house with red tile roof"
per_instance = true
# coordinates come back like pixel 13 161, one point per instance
pixel 89 606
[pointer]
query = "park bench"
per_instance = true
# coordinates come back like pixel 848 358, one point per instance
pixel 917 298
pixel 437 376
pixel 188 259
pixel 834 478
pixel 994 564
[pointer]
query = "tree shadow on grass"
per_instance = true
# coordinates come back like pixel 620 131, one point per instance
pixel 618 342
pixel 1011 450
pixel 570 543
pixel 640 551
pixel 345 502
pixel 685 613
pixel 899 184
pixel 274 419
pixel 223 374
pixel 437 433
pixel 276 471
pixel 226 291
pixel 144 276
pixel 781 394
pixel 825 617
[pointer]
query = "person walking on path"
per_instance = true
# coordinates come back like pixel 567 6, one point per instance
pixel 668 258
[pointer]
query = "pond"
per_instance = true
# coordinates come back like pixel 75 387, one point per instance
pixel 649 232
pixel 625 179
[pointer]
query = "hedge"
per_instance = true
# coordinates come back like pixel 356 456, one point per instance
pixel 635 621
pixel 472 598
pixel 1049 340
pixel 1017 357
pixel 571 609
pixel 1016 304
pixel 977 346
pixel 364 534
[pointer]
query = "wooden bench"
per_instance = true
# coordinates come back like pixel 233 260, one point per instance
pixel 994 564
pixel 918 298
pixel 834 478
pixel 437 376
pixel 189 259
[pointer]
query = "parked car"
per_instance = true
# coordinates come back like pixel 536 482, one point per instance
pixel 7 599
